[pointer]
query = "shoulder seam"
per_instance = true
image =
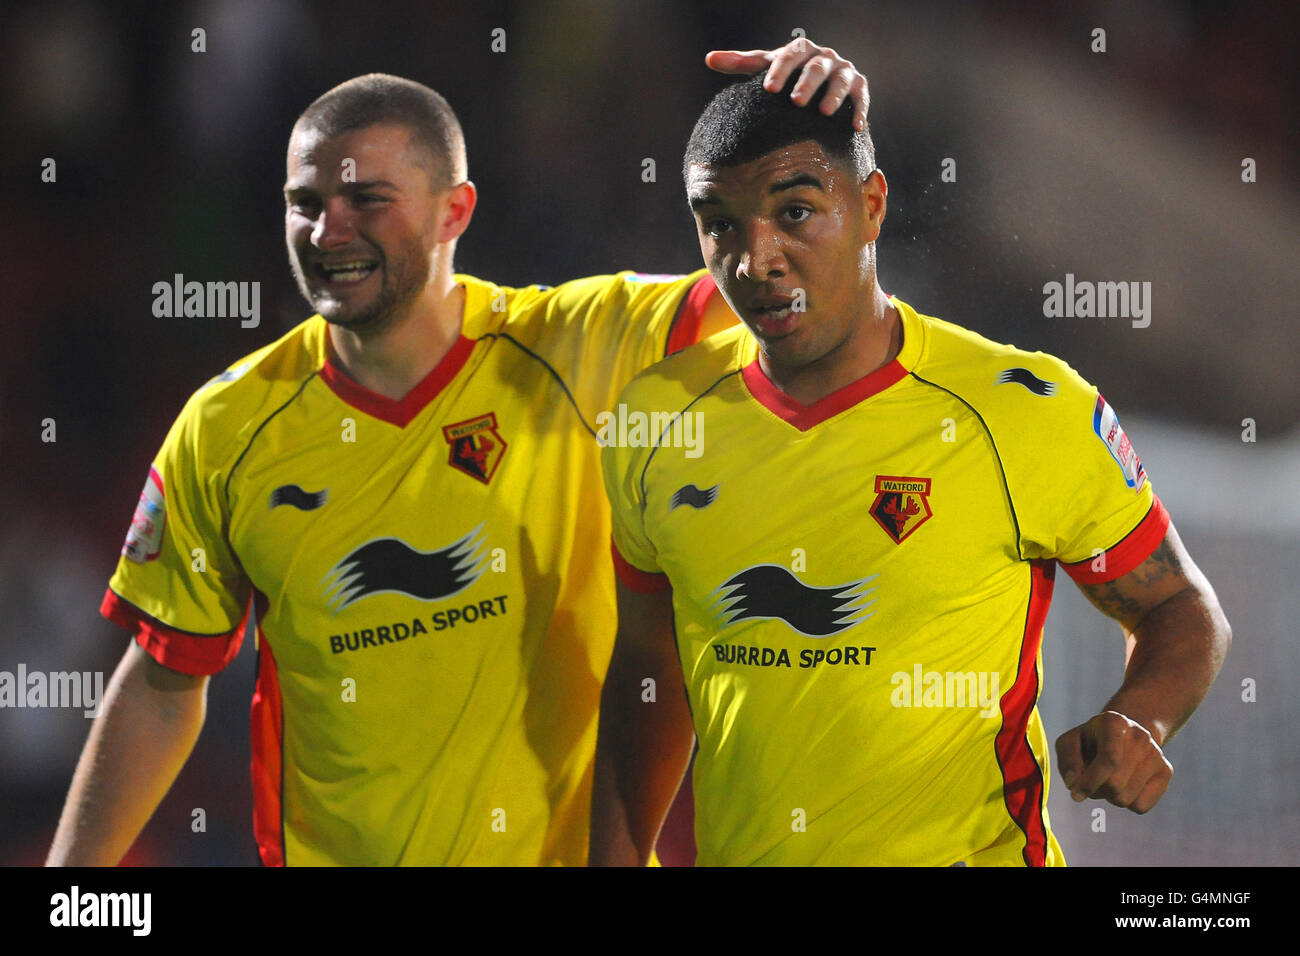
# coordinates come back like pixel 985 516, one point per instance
pixel 679 414
pixel 546 365
pixel 238 461
pixel 1006 485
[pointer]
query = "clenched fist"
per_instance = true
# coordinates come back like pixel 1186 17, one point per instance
pixel 1116 759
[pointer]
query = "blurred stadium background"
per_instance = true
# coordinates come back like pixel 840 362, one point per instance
pixel 1117 166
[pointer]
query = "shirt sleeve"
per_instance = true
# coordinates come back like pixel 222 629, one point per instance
pixel 1083 496
pixel 601 331
pixel 635 558
pixel 178 587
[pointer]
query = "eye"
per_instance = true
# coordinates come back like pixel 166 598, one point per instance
pixel 798 213
pixel 716 227
pixel 370 199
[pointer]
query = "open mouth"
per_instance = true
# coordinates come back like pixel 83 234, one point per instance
pixel 344 273
pixel 783 311
pixel 774 318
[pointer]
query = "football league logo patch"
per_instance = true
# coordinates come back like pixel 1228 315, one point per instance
pixel 476 446
pixel 902 505
pixel 1106 424
pixel 144 537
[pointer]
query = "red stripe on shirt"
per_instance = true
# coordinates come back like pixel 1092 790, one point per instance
pixel 195 654
pixel 1134 548
pixel 642 582
pixel 690 316
pixel 267 723
pixel 1022 779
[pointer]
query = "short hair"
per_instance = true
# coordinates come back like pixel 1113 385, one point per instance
pixel 744 121
pixel 381 98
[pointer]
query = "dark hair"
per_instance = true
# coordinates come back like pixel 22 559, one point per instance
pixel 745 121
pixel 380 98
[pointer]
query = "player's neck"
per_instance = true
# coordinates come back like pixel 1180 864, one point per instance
pixel 877 340
pixel 394 361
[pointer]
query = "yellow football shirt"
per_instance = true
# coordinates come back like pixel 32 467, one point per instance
pixel 434 600
pixel 859 587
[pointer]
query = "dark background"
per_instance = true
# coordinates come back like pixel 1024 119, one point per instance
pixel 1116 166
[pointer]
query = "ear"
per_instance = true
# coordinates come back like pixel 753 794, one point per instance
pixel 874 192
pixel 456 210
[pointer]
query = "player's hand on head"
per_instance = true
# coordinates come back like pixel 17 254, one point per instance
pixel 1116 759
pixel 819 67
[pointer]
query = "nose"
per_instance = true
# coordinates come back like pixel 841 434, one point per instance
pixel 761 256
pixel 333 227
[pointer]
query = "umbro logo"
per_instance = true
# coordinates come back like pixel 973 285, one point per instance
pixel 295 496
pixel 690 495
pixel 1022 376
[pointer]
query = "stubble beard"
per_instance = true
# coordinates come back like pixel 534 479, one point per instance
pixel 403 279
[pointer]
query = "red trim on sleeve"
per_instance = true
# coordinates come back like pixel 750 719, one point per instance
pixel 398 412
pixel 1132 550
pixel 690 315
pixel 1022 780
pixel 267 723
pixel 642 582
pixel 195 654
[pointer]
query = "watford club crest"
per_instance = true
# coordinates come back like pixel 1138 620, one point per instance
pixel 902 505
pixel 476 446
